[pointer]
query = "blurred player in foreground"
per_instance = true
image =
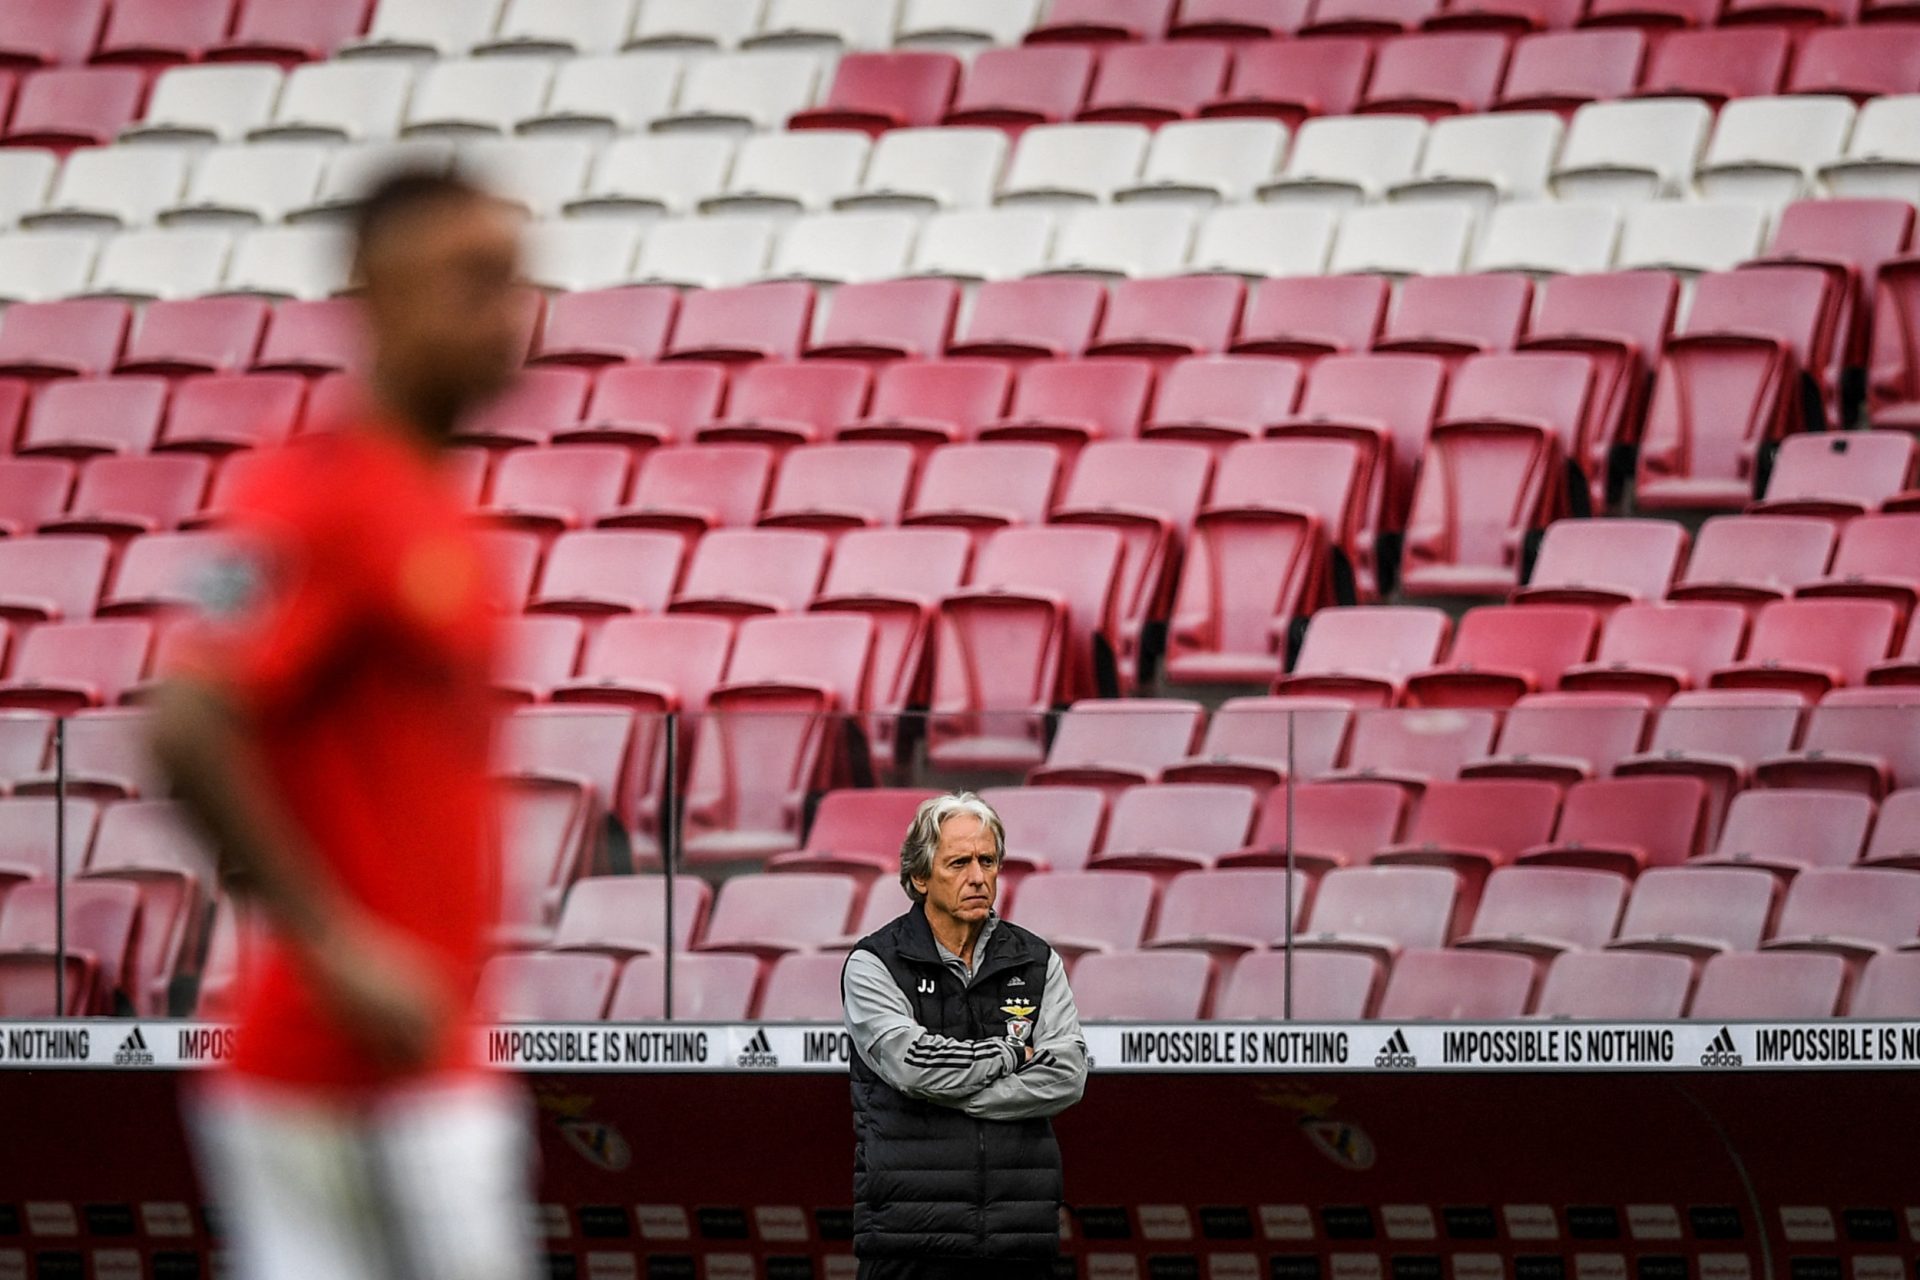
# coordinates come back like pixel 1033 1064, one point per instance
pixel 329 729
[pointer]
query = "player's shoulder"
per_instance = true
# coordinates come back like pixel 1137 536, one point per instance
pixel 314 478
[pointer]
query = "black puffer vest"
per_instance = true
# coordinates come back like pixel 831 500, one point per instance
pixel 930 1181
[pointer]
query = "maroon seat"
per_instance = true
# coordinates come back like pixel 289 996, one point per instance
pixel 986 486
pixel 857 831
pixel 1378 911
pixel 804 987
pixel 596 572
pixel 63 667
pixel 1850 912
pixel 1625 825
pixel 158 32
pixel 1368 17
pixel 1163 828
pixel 1261 742
pixel 1227 913
pixel 875 92
pixel 1838 474
pixel 125 496
pixel 292 30
pixel 770 915
pixel 1177 316
pixel 195 335
pixel 547 987
pixel 1143 986
pixel 737 572
pixel 706 988
pixel 838 487
pixel 1718 736
pixel 1604 563
pixel 1115 744
pixel 1750 560
pixel 781 404
pixel 625 916
pixel 1889 987
pixel 52 579
pixel 888 320
pixel 312 337
pixel 1093 21
pixel 1473 827
pixel 1049 829
pixel 768 321
pixel 219 413
pixel 1656 649
pixel 1785 831
pixel 1861 62
pixel 1562 70
pixel 50 32
pixel 84 417
pixel 1517 16
pixel 102 920
pixel 1715 64
pixel 1238 19
pixel 1039 318
pixel 536 654
pixel 1502 653
pixel 542 401
pixel 1224 399
pixel 1812 646
pixel 1311 316
pixel 1458 316
pixel 1858 740
pixel 33 491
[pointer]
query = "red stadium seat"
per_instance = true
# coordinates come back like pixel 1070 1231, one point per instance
pixel 32 491
pixel 1756 986
pixel 1660 15
pixel 547 987
pixel 1364 655
pixel 150 845
pixel 986 486
pixel 553 490
pixel 62 667
pixel 312 337
pixel 1177 316
pixel 1380 910
pixel 27 848
pixel 1849 912
pixel 1414 748
pixel 1014 89
pixel 1039 318
pixel 1718 736
pixel 1436 75
pixel 1786 831
pixel 1811 646
pixel 66 107
pixel 652 664
pixel 1289 81
pixel 1464 986
pixel 551 818
pixel 1797 12
pixel 1093 21
pixel 1163 828
pixel 1889 987
pixel 1327 986
pixel 1333 824
pixel 606 326
pixel 1861 62
pixel 292 30
pixel 1562 70
pixel 1893 360
pixel 1224 399
pixel 158 32
pixel 1368 17
pixel 857 832
pixel 536 654
pixel 75 337
pixel 1543 911
pixel 102 920
pixel 690 490
pixel 1839 474
pixel 1238 19
pixel 770 915
pixel 1625 825
pixel 836 487
pixel 647 405
pixel 220 413
pixel 49 32
pixel 1850 240
pixel 888 320
pixel 109 757
pixel 1037 600
pixel 595 572
pixel 1565 738
pixel 1117 743
pixel 783 405
pixel 1475 826
pixel 121 497
pixel 1749 560
pixel 875 92
pixel 1261 742
pixel 1049 829
pixel 768 321
pixel 1858 740
pixel 804 987
pixel 52 579
pixel 1078 912
pixel 1603 563
pixel 541 402
pixel 83 417
pixel 1657 650
pixel 1458 315
pixel 1517 16
pixel 1152 84
pixel 1143 986
pixel 1228 913
pixel 933 402
pixel 1310 316
pixel 1896 832
pixel 1503 652
pixel 706 988
pixel 25 737
pixel 1615 986
pixel 1713 64
pixel 625 916
pixel 513 556
pixel 195 335
pixel 161 572
pixel 1904 667
pixel 735 572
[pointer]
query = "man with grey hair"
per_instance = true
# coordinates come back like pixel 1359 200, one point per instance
pixel 965 1041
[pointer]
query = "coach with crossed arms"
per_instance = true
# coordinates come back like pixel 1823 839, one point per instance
pixel 965 1041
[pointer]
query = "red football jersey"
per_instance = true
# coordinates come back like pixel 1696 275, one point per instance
pixel 353 623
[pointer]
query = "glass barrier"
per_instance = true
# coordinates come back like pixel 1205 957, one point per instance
pixel 1233 858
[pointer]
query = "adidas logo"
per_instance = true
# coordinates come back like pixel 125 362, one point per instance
pixel 1016 981
pixel 1721 1052
pixel 133 1051
pixel 758 1053
pixel 1396 1052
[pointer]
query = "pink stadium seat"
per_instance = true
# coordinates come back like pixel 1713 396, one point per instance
pixel 606 326
pixel 1436 75
pixel 124 496
pixel 1018 639
pixel 1616 986
pixel 1311 316
pixel 1475 826
pixel 1287 81
pixel 836 487
pixel 50 32
pixel 1168 827
pixel 1458 315
pixel 1657 650
pixel 1718 736
pixel 32 491
pixel 74 337
pixel 1364 655
pixel 1143 986
pixel 1049 829
pixel 159 32
pixel 1238 19
pixel 547 987
pixel 1889 987
pixel 542 401
pixel 52 579
pixel 536 654
pixel 1784 831
pixel 1896 832
pixel 768 915
pixel 1038 318
pixel 82 417
pixel 1727 384
pixel 549 837
pixel 1369 17
pixel 690 490
pixel 888 320
pixel 1228 913
pixel 1333 824
pixel 102 920
pixel 583 750
pixel 1761 985
pixel 1603 563
pixel 1413 748
pixel 220 413
pixel 311 337
pixel 66 107
pixel 1811 646
pixel 857 831
pixel 883 905
pixel 768 321
pixel 1152 84
pixel 1749 560
pixel 804 987
pixel 986 486
pixel 1713 64
pixel 1893 358
pixel 1328 986
pixel 1878 559
pixel 556 489
pixel 1654 15
pixel 1014 89
pixel 27 849
pixel 1849 912
pixel 195 335
pixel 1379 910
pixel 735 572
pixel 1625 825
pixel 1261 742
pixel 1562 70
pixel 1117 743
pixel 109 757
pixel 25 737
pixel 150 845
pixel 1086 911
pixel 933 402
pixel 1543 911
pixel 1224 399
pixel 774 731
pixel 1093 21
pixel 1517 16
pixel 652 664
pixel 1904 667
pixel 1565 738
pixel 1796 12
pixel 1858 740
pixel 62 667
pixel 875 92
pixel 1861 62
pixel 646 405
pixel 1176 316
pixel 625 916
pixel 1492 471
pixel 513 555
pixel 292 30
pixel 14 394
pixel 1457 986
pixel 595 572
pixel 783 405
pixel 706 988
pixel 1838 474
pixel 1502 653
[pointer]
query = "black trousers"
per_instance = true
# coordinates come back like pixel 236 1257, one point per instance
pixel 951 1269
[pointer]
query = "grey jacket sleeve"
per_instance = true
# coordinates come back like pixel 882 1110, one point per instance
pixel 1056 1076
pixel 905 1054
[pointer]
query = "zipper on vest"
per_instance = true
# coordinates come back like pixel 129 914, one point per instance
pixel 980 1137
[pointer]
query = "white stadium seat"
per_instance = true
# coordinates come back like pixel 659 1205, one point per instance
pixel 1123 241
pixel 656 174
pixel 354 101
pixel 154 264
pixel 1632 151
pixel 424 28
pixel 1692 238
pixel 353 169
pixel 217 103
pixel 966 25
pixel 476 97
pixel 1768 149
pixel 744 92
pixel 1403 240
pixel 250 183
pixel 540 174
pixel 1070 164
pixel 101 188
pixel 1256 240
pixel 1549 237
pixel 1208 162
pixel 560 28
pixel 603 96
pixel 1485 159
pixel 790 173
pixel 926 169
pixel 569 254
pixel 1349 160
pixel 37 266
pixel 1883 154
pixel 696 24
pixel 845 248
pixel 26 180
pixel 289 262
pixel 842 24
pixel 984 244
pixel 706 253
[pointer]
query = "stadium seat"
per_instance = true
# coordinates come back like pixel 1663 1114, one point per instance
pixel 737 572
pixel 81 418
pixel 1154 84
pixel 791 173
pixel 654 175
pixel 32 491
pixel 690 489
pixel 1414 748
pixel 311 338
pixel 27 848
pixel 101 189
pixel 744 92
pixel 26 173
pixel 1857 62
pixel 1204 163
pixel 1049 829
pixel 151 845
pixel 753 322
pixel 782 405
pixel 1029 319
pixel 536 654
pixel 1850 240
pixel 1038 599
pixel 286 263
pixel 1542 912
pixel 602 97
pixel 580 254
pixel 835 487
pixel 857 831
pixel 1461 986
pixel 1403 240
pixel 1132 240
pixel 1616 986
pixel 124 496
pixel 1261 742
pixel 467 99
pixel 553 490
pixel 1117 743
pixel 706 254
pixel 1549 237
pixel 1874 561
pixel 207 104
pixel 25 737
pixel 109 757
pixel 549 828
pixel 1483 160
pixel 1812 646
pixel 1604 563
pixel 1327 986
pixel 51 579
pixel 1079 912
pixel 695 25
pixel 45 266
pixel 606 326
pixel 1073 403
pixel 1259 241
pixel 79 336
pixel 1100 21
pixel 923 170
pixel 706 988
pixel 977 245
pixel 154 265
pixel 1368 17
pixel 161 573
pixel 642 405
pixel 1619 321
pixel 540 402
pixel 1879 161
pixel 771 915
pixel 539 175
pixel 101 921
pixel 827 24
pixel 220 413
pixel 1626 152
pixel 804 987
pixel 985 486
pixel 1436 75
pixel 626 916
pixel 51 32
pixel 1457 316
pixel 1717 64
pixel 349 101
pixel 67 107
pixel 1224 399
pixel 291 31
pixel 1565 738
pixel 1718 736
pixel 63 667
pixel 596 572
pixel 876 92
pixel 888 320
pixel 652 664
pixel 1760 985
pixel 1502 653
pixel 559 30
pixel 1692 239
pixel 1018 88
pixel 1333 824
pixel 1167 828
pixel 1767 149
pixel 965 25
pixel 539 986
pixel 1626 825
pixel 1364 655
pixel 1182 316
pixel 1290 82
pixel 424 28
pixel 1888 987
pixel 1785 831
pixel 845 248
pixel 1473 827
pixel 1347 161
pixel 199 335
pixel 1143 986
pixel 1562 71
pixel 1518 16
pixel 1316 316
pixel 1749 560
pixel 1853 913
pixel 1857 740
pixel 1838 475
